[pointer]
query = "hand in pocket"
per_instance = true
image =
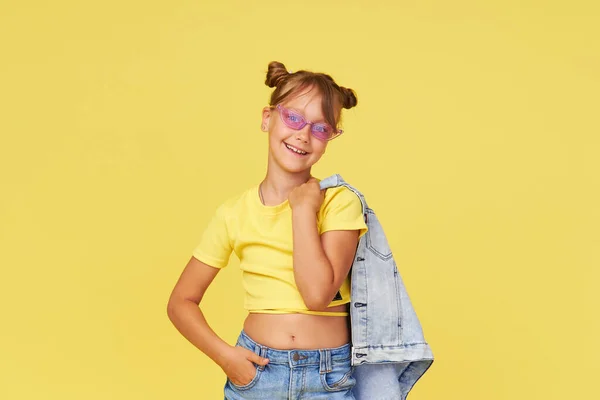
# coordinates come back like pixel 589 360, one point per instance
pixel 240 365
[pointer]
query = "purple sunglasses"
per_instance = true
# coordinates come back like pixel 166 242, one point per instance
pixel 297 121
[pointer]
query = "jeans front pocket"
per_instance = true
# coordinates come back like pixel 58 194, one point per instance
pixel 258 369
pixel 340 377
pixel 250 384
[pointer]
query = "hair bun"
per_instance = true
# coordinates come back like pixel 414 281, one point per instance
pixel 275 74
pixel 349 97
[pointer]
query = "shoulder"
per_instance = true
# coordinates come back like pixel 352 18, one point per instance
pixel 341 210
pixel 340 202
pixel 237 203
pixel 340 196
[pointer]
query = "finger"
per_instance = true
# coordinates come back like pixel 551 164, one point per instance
pixel 255 358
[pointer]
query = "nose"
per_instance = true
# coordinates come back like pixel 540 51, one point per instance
pixel 304 133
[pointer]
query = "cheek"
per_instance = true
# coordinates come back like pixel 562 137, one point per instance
pixel 275 135
pixel 319 146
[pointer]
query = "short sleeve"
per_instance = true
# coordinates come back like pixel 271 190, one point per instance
pixel 342 210
pixel 215 246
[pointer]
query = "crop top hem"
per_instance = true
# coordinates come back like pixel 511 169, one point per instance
pixel 299 311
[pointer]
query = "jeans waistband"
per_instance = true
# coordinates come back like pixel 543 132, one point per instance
pixel 297 357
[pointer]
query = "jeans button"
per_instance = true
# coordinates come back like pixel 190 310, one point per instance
pixel 295 357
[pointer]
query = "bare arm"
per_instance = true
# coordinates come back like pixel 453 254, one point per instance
pixel 321 263
pixel 184 312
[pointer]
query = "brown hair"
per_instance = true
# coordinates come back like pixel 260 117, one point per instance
pixel 287 84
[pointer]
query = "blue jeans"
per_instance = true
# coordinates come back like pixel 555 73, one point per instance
pixel 322 374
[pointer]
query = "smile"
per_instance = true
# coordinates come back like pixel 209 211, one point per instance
pixel 295 150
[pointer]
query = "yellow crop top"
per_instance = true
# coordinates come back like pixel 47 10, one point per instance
pixel 261 237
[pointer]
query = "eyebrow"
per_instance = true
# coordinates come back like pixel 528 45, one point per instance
pixel 301 113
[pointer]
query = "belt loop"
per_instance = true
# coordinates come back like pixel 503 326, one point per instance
pixel 324 361
pixel 262 352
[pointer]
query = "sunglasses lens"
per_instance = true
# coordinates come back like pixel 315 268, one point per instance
pixel 292 119
pixel 322 131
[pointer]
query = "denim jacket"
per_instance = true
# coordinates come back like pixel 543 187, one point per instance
pixel 389 351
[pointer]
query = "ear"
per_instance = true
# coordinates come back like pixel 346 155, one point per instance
pixel 266 118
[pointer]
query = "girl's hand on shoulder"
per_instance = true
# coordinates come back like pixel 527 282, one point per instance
pixel 239 365
pixel 308 195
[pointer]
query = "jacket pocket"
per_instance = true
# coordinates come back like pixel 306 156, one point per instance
pixel 376 240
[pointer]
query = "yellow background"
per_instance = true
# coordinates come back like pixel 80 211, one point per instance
pixel 125 123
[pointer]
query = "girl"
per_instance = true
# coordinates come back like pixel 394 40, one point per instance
pixel 296 244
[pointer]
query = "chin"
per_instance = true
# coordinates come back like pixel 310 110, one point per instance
pixel 296 167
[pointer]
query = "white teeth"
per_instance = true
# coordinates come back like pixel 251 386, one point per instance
pixel 295 149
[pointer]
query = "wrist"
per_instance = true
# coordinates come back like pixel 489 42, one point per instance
pixel 223 355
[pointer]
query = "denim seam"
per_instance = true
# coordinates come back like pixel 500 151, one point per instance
pixel 366 286
pixel 303 380
pixel 391 347
pixel 398 303
pixel 290 380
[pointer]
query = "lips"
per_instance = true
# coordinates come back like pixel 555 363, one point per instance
pixel 296 150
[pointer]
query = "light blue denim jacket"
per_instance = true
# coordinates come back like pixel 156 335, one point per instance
pixel 389 351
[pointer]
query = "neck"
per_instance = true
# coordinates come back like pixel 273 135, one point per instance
pixel 277 184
